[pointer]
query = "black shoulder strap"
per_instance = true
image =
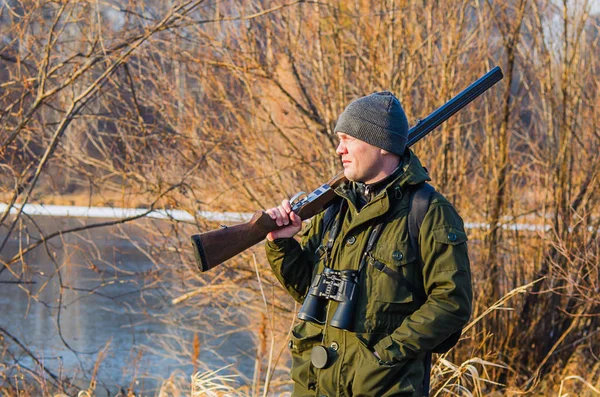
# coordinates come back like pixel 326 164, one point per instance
pixel 419 205
pixel 329 224
pixel 330 215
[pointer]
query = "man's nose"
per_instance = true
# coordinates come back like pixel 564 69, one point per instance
pixel 341 149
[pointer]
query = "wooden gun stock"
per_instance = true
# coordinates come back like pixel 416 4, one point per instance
pixel 215 247
pixel 223 244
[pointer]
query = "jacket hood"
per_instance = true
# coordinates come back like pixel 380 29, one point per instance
pixel 414 172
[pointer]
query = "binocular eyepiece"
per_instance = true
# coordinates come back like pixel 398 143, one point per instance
pixel 339 286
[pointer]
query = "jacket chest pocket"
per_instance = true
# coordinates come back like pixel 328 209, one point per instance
pixel 392 273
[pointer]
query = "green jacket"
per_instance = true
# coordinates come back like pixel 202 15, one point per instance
pixel 400 320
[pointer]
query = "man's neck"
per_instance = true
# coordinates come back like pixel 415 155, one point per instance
pixel 367 191
pixel 383 181
pixel 388 169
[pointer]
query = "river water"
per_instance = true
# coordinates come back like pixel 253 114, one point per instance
pixel 109 301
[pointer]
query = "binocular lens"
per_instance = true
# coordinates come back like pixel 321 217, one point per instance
pixel 313 310
pixel 344 316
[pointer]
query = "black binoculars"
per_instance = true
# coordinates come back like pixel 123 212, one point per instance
pixel 339 286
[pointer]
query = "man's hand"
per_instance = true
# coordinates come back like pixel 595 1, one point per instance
pixel 284 216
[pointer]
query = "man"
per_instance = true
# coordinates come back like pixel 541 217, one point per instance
pixel 408 300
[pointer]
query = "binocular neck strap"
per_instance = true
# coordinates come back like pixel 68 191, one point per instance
pixel 335 230
pixel 373 237
pixel 337 225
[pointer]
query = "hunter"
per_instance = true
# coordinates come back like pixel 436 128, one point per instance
pixel 412 285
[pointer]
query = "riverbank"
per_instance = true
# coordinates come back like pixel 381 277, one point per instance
pixel 214 216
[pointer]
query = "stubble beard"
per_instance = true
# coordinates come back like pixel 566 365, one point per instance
pixel 353 175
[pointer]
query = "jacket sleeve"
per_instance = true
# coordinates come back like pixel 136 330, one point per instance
pixel 293 261
pixel 447 283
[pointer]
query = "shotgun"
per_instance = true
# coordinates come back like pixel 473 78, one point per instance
pixel 215 247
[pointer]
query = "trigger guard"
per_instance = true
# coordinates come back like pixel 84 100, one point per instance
pixel 297 197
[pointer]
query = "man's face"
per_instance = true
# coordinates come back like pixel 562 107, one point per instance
pixel 362 162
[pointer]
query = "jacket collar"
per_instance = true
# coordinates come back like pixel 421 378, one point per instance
pixel 409 173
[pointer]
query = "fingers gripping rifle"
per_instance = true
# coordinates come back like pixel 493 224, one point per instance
pixel 215 247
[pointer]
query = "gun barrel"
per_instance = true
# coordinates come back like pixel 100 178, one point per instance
pixel 447 110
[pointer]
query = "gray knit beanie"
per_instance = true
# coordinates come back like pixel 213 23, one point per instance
pixel 377 119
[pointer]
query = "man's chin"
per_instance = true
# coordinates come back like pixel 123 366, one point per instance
pixel 351 176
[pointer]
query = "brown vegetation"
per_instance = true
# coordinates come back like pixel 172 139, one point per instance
pixel 230 106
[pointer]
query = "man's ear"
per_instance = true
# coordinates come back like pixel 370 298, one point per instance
pixel 389 155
